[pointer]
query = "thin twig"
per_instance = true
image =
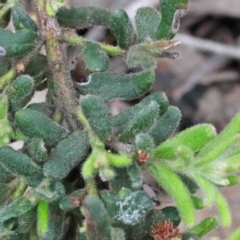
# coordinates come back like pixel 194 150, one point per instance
pixel 209 46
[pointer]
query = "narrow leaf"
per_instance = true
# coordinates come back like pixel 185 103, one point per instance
pixel 21 20
pixel 110 86
pixel 17 162
pixel 97 219
pixel 67 155
pixel 173 185
pixel 95 58
pixel 195 138
pixel 43 218
pixel 205 226
pixel 83 17
pixel 171 12
pixel 147 20
pixel 165 125
pixel 98 116
pixel 34 124
pixel 121 27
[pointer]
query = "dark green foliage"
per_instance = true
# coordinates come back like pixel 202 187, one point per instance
pixel 97 219
pixel 5 192
pixel 68 153
pixel 18 43
pixel 5 18
pixel 141 122
pixel 16 209
pixel 17 162
pixel 127 115
pixel 95 58
pixel 171 13
pixel 126 208
pixel 37 150
pixel 147 21
pixel 73 200
pixel 37 68
pixel 98 116
pixel 21 20
pixel 83 17
pixel 110 86
pixel 121 27
pixel 165 125
pixel 5 175
pixel 20 92
pixel 34 124
pixel 82 173
pixel 5 64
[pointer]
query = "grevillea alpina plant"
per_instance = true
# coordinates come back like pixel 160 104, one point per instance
pixel 79 172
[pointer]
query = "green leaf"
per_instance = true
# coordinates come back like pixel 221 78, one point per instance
pixel 20 92
pixel 97 219
pixel 231 130
pixel 37 150
pixel 135 175
pixel 207 187
pixel 34 124
pixel 98 116
pixel 223 209
pixel 165 125
pixel 129 113
pixel 144 142
pixel 55 223
pixel 235 235
pixel 121 27
pixel 110 86
pixel 21 20
pixel 219 150
pixel 17 44
pixel 141 122
pixel 147 20
pixel 195 138
pixel 42 219
pixel 5 65
pixel 26 221
pixel 121 160
pixel 95 58
pixel 17 162
pixel 74 200
pixel 128 209
pixel 42 107
pixel 173 185
pixel 117 234
pixel 16 209
pixel 68 154
pixel 171 12
pixel 189 236
pixel 37 68
pixel 83 17
pixel 143 55
pixel 6 14
pixel 5 175
pixel 5 192
pixel 205 226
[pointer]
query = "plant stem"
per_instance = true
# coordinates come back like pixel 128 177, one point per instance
pixel 20 190
pixel 63 85
pixel 72 38
pixel 91 186
pixel 19 67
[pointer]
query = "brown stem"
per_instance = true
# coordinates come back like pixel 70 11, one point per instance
pixel 63 85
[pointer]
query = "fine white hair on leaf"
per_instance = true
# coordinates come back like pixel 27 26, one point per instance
pixel 3 51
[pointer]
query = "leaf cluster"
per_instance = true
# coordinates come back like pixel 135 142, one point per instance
pixel 79 174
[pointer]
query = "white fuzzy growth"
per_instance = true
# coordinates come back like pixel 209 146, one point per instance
pixel 128 215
